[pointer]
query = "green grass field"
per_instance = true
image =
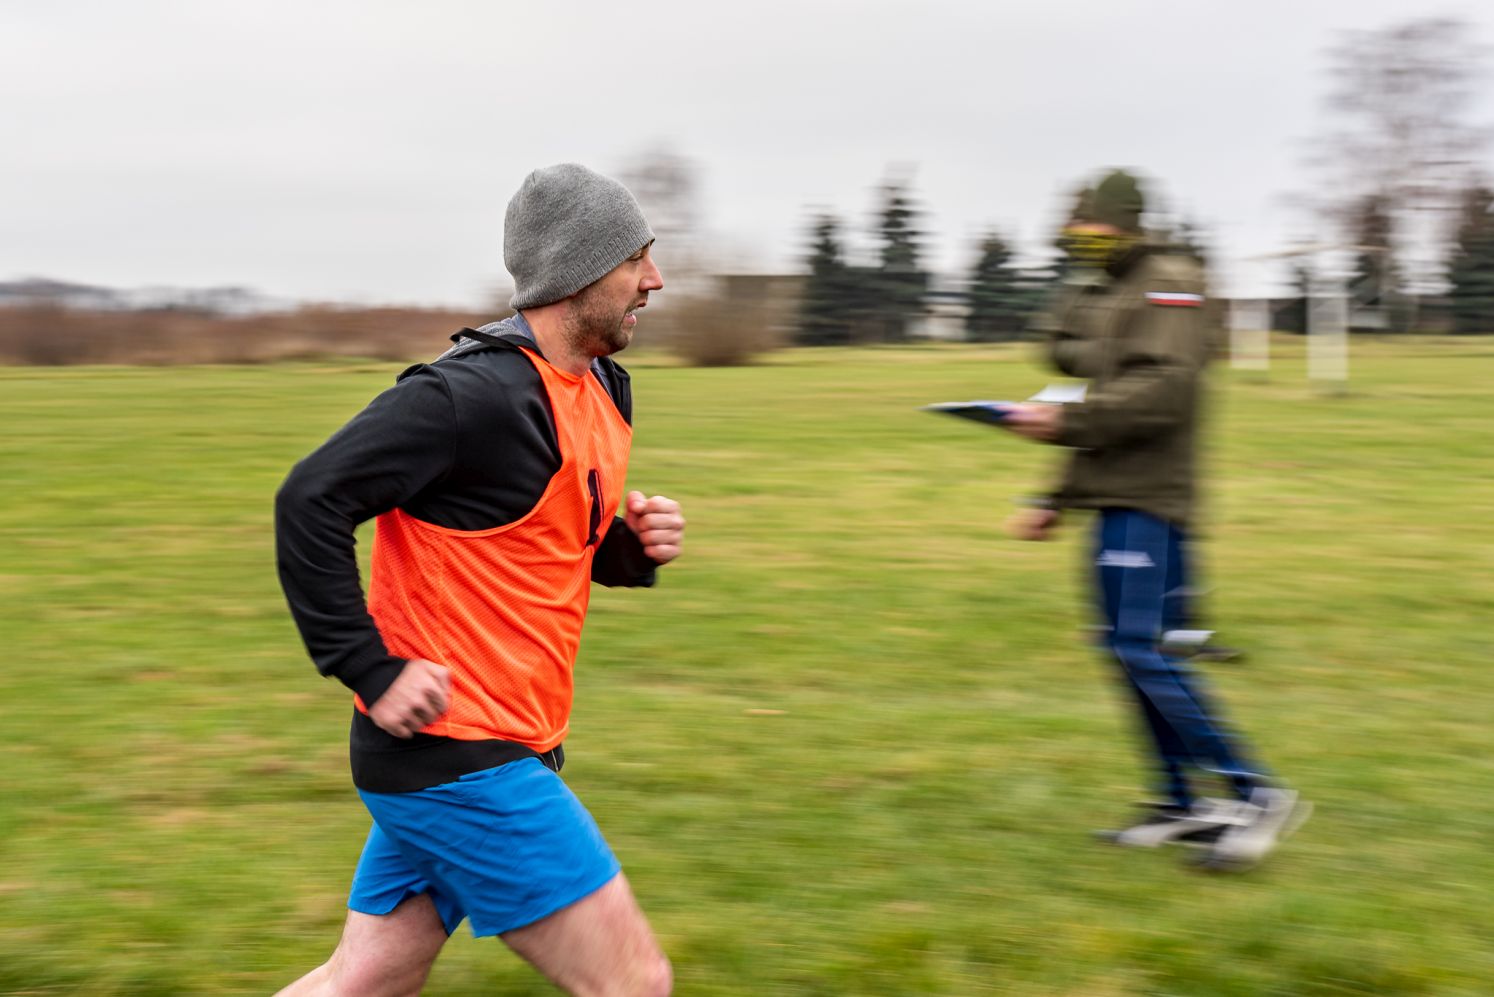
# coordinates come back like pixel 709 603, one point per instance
pixel 852 744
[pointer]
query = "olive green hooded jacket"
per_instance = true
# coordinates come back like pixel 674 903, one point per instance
pixel 1141 332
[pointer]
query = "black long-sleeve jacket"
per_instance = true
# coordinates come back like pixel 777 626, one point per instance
pixel 467 442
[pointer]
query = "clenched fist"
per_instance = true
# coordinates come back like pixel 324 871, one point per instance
pixel 417 697
pixel 658 525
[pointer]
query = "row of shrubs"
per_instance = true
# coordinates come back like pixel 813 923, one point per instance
pixel 700 330
pixel 53 335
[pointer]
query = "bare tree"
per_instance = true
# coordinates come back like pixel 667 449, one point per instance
pixel 706 320
pixel 1399 99
pixel 668 189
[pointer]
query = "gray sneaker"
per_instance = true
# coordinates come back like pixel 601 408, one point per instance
pixel 1166 824
pixel 1198 646
pixel 1270 816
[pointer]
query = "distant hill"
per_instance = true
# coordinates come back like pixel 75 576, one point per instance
pixel 227 300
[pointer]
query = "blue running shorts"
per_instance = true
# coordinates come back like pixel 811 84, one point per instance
pixel 502 847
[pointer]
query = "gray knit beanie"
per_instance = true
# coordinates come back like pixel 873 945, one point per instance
pixel 567 227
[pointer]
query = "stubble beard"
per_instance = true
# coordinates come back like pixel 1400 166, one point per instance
pixel 595 327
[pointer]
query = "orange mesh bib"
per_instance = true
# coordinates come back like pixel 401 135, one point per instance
pixel 503 608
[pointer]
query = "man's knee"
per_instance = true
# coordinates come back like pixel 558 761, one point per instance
pixel 658 978
pixel 650 976
pixel 387 955
pixel 368 977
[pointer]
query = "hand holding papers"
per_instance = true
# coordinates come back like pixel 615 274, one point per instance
pixel 997 413
pixel 990 413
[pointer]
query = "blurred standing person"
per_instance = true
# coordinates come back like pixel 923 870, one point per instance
pixel 1131 320
pixel 495 474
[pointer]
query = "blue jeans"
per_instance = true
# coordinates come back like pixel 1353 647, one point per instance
pixel 1140 563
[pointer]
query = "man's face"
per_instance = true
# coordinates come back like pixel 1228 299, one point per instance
pixel 1094 243
pixel 602 318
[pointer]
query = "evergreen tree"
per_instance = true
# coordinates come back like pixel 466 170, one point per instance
pixel 1035 285
pixel 999 304
pixel 900 285
pixel 1471 272
pixel 826 316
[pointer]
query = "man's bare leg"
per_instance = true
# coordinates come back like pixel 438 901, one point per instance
pixel 383 956
pixel 599 946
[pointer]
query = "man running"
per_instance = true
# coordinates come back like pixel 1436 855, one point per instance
pixel 496 477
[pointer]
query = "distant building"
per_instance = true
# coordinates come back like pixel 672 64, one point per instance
pixel 946 303
pixel 945 307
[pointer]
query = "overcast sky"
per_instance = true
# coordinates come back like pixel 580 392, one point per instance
pixel 365 150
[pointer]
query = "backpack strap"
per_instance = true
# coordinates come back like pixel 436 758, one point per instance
pixel 509 341
pixel 613 378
